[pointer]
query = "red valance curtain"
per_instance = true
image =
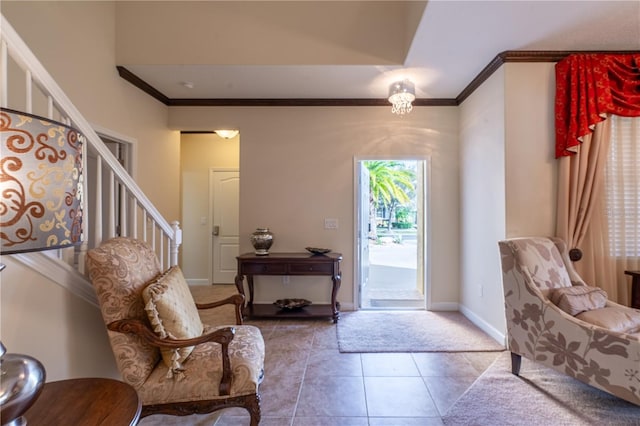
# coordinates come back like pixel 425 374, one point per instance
pixel 589 86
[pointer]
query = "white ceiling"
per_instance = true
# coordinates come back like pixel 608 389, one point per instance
pixel 453 42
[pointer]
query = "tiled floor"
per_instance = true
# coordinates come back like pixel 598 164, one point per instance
pixel 309 382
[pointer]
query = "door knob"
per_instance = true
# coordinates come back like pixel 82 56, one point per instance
pixel 216 230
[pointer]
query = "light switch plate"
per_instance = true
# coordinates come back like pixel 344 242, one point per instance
pixel 331 224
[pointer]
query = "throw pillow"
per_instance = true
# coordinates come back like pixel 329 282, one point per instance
pixel 576 299
pixel 173 314
pixel 619 318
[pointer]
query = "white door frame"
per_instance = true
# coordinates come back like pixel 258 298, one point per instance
pixel 130 143
pixel 426 225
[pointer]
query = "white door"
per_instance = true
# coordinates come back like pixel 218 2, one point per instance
pixel 364 228
pixel 225 208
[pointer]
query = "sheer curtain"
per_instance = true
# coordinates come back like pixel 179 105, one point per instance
pixel 622 199
pixel 611 242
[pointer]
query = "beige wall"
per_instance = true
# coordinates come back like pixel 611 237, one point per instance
pixel 46 321
pixel 89 78
pixel 296 167
pixel 483 200
pixel 508 176
pixel 38 317
pixel 160 37
pixel 529 157
pixel 198 154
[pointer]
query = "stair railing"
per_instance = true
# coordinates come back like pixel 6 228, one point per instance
pixel 114 205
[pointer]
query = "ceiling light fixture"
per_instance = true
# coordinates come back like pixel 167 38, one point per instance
pixel 227 134
pixel 401 94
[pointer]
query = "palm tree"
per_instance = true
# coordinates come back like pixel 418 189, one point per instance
pixel 391 184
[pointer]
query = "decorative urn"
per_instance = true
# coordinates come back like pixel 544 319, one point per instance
pixel 261 239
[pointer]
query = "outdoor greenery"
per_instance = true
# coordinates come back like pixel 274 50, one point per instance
pixel 392 186
pixel 402 218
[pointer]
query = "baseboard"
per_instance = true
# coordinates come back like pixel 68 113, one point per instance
pixel 345 307
pixel 197 281
pixel 443 306
pixel 496 334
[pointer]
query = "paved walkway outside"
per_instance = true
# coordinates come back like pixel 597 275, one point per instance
pixel 392 277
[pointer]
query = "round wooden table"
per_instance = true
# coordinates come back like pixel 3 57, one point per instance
pixel 78 402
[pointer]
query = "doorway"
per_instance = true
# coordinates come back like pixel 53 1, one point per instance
pixel 123 149
pixel 391 233
pixel 210 168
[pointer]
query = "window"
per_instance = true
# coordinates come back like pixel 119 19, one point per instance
pixel 622 187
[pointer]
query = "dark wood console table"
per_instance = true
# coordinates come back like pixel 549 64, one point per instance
pixel 250 264
pixel 635 288
pixel 85 402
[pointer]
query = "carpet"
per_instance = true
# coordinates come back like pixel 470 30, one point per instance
pixel 539 396
pixel 411 331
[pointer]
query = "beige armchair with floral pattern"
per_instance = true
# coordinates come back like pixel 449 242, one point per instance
pixel 556 319
pixel 178 365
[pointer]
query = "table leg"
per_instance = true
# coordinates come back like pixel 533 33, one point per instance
pixel 250 285
pixel 337 281
pixel 239 283
pixel 240 287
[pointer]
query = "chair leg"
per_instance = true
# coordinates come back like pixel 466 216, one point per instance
pixel 516 361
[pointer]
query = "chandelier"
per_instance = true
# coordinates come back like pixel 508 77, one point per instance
pixel 401 94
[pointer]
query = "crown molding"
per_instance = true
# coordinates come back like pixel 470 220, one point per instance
pixel 500 59
pixel 530 56
pixel 302 102
pixel 142 85
pixel 295 102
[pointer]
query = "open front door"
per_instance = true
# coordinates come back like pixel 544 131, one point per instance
pixel 364 226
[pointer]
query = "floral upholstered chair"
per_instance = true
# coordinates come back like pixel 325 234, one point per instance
pixel 556 319
pixel 178 365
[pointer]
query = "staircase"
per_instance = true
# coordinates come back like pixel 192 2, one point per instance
pixel 114 205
